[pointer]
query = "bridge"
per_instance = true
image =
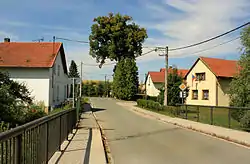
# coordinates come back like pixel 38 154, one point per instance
pixel 128 135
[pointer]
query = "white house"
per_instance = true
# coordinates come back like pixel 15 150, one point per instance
pixel 155 80
pixel 41 66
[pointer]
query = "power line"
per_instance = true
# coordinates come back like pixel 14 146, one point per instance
pixel 210 39
pixel 98 64
pixel 215 46
pixel 72 40
pixel 116 62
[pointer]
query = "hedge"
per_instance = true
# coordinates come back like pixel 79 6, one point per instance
pixel 149 104
pixel 156 106
pixel 153 98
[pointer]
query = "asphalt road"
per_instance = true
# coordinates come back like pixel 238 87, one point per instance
pixel 134 139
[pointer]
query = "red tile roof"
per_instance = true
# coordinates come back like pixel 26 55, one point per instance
pixel 159 77
pixel 28 54
pixel 181 72
pixel 221 67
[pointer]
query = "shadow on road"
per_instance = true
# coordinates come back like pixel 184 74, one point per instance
pixel 97 109
pixel 143 134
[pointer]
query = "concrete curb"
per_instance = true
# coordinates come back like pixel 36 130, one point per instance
pixel 174 121
pixel 106 149
pixel 104 142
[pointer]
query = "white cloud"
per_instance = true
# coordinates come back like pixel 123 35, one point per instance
pixel 15 23
pixel 196 20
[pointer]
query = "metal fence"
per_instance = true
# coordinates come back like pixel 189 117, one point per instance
pixel 36 141
pixel 214 115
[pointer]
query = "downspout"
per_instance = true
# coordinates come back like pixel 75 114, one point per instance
pixel 216 92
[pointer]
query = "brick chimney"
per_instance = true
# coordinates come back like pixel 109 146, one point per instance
pixel 6 40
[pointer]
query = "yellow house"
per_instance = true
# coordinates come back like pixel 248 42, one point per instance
pixel 208 81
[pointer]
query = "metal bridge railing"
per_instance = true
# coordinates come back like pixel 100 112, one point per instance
pixel 37 141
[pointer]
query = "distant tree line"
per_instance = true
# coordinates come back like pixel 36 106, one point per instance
pixel 96 88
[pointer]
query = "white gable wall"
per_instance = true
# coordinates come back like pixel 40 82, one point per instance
pixel 60 80
pixel 151 88
pixel 36 80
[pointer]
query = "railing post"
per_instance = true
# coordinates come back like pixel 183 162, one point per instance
pixel 211 115
pixel 67 123
pixel 186 112
pixel 47 142
pixel 229 117
pixel 198 113
pixel 18 149
pixel 60 132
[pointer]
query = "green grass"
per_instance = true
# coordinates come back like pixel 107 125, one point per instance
pixel 85 100
pixel 220 117
pixel 164 112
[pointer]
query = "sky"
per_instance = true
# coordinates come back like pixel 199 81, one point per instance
pixel 171 23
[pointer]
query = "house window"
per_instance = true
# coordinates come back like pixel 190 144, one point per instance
pixel 205 94
pixel 54 70
pixel 195 94
pixel 149 81
pixel 200 77
pixel 58 71
pixel 57 93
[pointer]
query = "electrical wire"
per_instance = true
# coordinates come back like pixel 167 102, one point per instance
pixel 210 39
pixel 116 62
pixel 215 46
pixel 72 40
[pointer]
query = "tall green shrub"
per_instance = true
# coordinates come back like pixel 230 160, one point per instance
pixel 240 85
pixel 174 81
pixel 125 82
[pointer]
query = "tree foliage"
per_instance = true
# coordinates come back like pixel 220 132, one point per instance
pixel 15 101
pixel 125 82
pixel 240 85
pixel 174 81
pixel 115 37
pixel 96 88
pixel 73 71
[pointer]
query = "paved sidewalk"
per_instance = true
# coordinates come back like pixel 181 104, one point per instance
pixel 85 144
pixel 235 136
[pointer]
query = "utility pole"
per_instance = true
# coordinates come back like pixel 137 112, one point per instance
pixel 145 83
pixel 81 81
pixel 105 85
pixel 166 78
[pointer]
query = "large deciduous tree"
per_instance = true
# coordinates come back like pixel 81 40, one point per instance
pixel 240 85
pixel 115 37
